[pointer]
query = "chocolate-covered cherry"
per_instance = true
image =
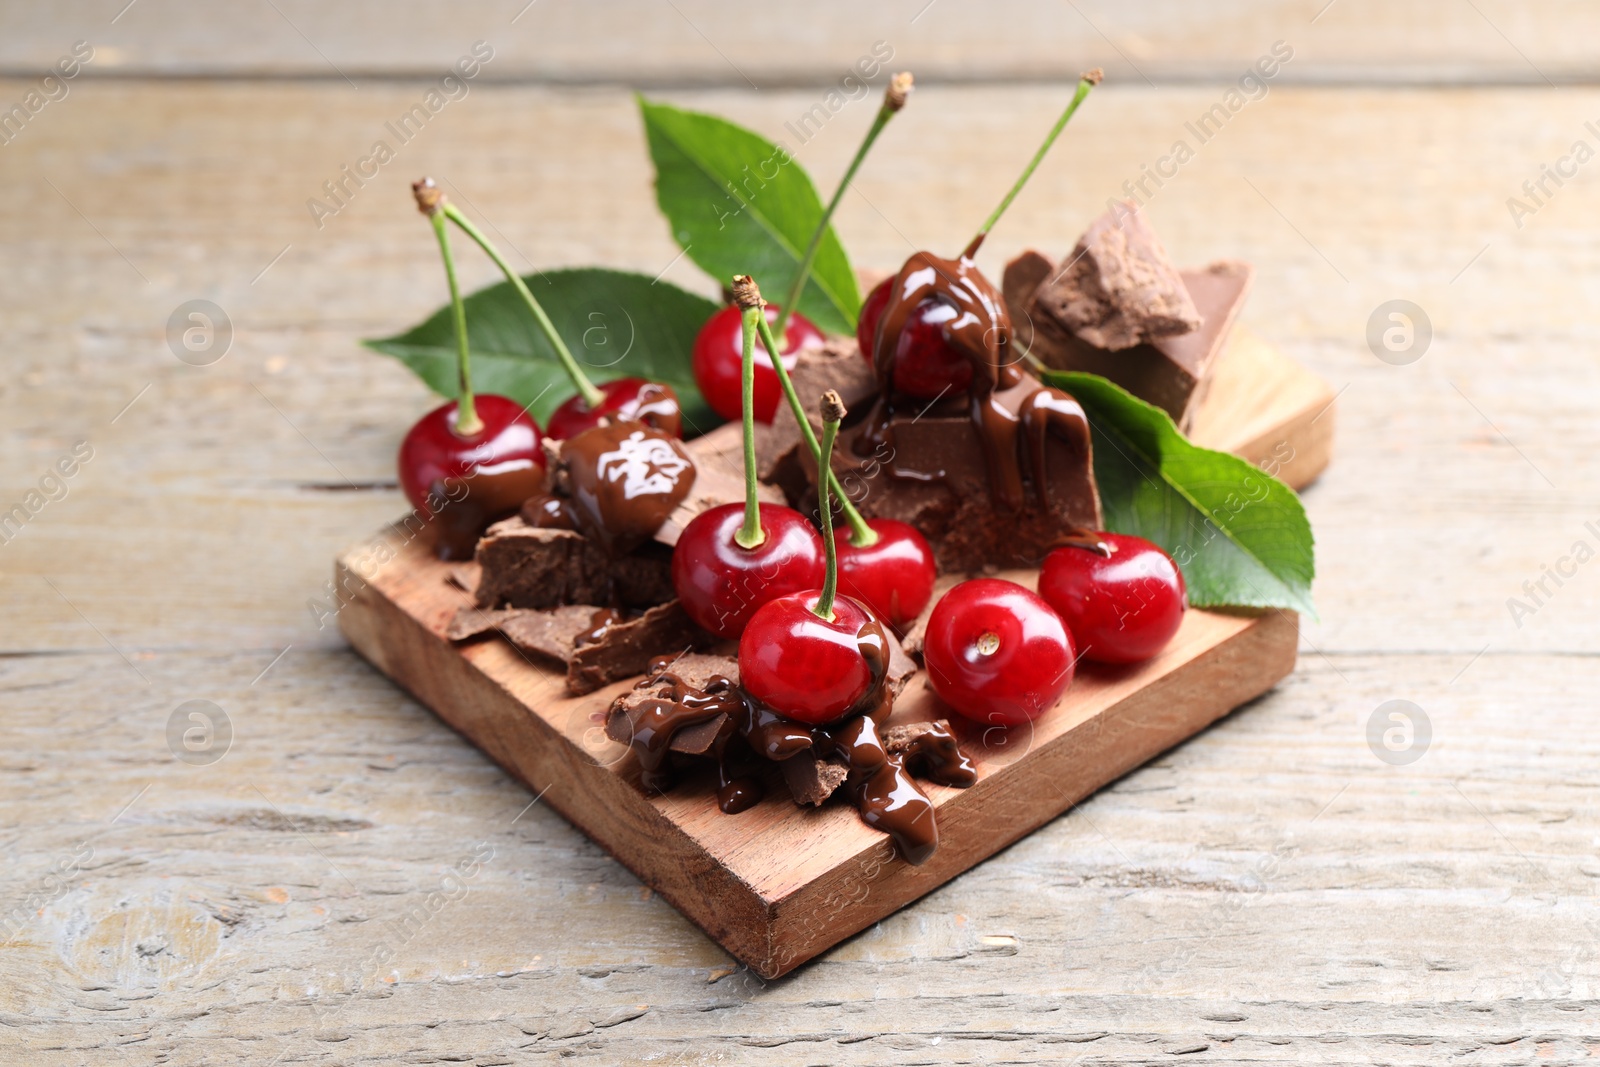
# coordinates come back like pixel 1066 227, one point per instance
pixel 721 584
pixel 717 356
pixel 469 480
pixel 925 364
pixel 802 665
pixel 997 653
pixel 893 576
pixel 623 400
pixel 1122 602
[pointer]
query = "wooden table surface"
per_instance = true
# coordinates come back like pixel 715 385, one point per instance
pixel 1270 891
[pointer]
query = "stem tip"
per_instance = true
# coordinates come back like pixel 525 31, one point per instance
pixel 900 86
pixel 833 408
pixel 1093 77
pixel 430 198
pixel 746 293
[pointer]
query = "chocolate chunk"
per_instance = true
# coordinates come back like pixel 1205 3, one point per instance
pixel 1119 289
pixel 931 471
pixel 1172 372
pixel 665 712
pixel 837 365
pixel 812 780
pixel 695 670
pixel 719 479
pixel 596 644
pixel 930 750
pixel 528 567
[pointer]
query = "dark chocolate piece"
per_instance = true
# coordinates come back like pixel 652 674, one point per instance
pixel 811 780
pixel 623 480
pixel 837 365
pixel 719 479
pixel 529 567
pixel 597 645
pixel 1118 288
pixel 1172 373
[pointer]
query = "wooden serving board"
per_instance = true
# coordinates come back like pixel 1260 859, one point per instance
pixel 778 884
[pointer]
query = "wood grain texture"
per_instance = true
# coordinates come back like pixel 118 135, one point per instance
pixel 1269 890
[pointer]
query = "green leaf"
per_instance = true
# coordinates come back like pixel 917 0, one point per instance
pixel 1240 536
pixel 617 325
pixel 738 204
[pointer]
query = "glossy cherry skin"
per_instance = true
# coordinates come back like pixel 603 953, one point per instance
pixel 893 578
pixel 722 585
pixel 1121 608
pixel 925 366
pixel 469 482
pixel 624 400
pixel 801 665
pixel 719 362
pixel 997 653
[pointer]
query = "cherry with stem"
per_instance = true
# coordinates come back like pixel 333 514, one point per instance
pixel 926 364
pixel 732 560
pixel 885 563
pixel 802 655
pixel 476 458
pixel 621 399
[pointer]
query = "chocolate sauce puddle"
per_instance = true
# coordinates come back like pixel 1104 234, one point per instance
pixel 981 332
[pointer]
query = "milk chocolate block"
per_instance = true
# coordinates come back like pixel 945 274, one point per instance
pixel 931 471
pixel 1171 372
pixel 527 566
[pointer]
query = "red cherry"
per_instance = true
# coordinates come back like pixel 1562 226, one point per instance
pixel 721 584
pixel 997 653
pixel 801 665
pixel 719 362
pixel 925 365
pixel 624 399
pixel 470 481
pixel 1122 608
pixel 893 578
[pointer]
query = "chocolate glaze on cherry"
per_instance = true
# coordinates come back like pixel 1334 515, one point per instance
pixel 926 367
pixel 808 668
pixel 893 576
pixel 1122 603
pixel 997 653
pixel 622 481
pixel 981 334
pixel 721 584
pixel 624 400
pixel 467 482
pixel 719 357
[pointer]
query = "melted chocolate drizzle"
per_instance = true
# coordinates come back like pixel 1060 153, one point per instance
pixel 662 716
pixel 981 332
pixel 600 624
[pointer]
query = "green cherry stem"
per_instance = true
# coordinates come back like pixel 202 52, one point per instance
pixel 894 98
pixel 429 199
pixel 1086 82
pixel 861 535
pixel 832 415
pixel 752 310
pixel 591 396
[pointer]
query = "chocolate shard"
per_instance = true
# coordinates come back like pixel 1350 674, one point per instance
pixel 812 781
pixel 696 670
pixel 1119 289
pixel 1172 372
pixel 719 479
pixel 931 472
pixel 837 365
pixel 530 567
pixel 596 644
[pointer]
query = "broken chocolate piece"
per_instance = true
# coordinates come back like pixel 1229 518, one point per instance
pixel 1172 373
pixel 837 365
pixel 929 750
pixel 930 470
pixel 623 480
pixel 595 653
pixel 1119 289
pixel 811 780
pixel 530 567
